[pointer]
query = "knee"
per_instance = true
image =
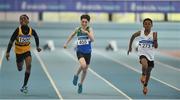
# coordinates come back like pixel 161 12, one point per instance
pixel 83 65
pixel 20 68
pixel 144 64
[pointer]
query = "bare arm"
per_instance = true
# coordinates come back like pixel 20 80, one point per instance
pixel 69 39
pixel 131 41
pixel 11 41
pixel 36 37
pixel 155 39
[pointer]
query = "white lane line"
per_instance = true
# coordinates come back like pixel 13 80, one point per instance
pixel 1 58
pixel 171 57
pixel 163 64
pixel 168 66
pixel 48 75
pixel 106 81
pixel 132 68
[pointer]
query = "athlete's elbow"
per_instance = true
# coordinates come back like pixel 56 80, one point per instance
pixel 92 39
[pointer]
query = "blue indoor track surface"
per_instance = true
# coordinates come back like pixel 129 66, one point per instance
pixel 112 75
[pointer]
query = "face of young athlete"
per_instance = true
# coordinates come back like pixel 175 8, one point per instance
pixel 147 25
pixel 84 22
pixel 23 20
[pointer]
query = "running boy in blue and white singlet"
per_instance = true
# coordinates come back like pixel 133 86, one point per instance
pixel 85 36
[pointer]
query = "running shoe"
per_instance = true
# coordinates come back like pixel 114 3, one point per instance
pixel 24 89
pixel 79 88
pixel 145 90
pixel 75 79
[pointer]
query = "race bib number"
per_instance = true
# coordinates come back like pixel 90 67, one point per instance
pixel 83 42
pixel 24 39
pixel 145 45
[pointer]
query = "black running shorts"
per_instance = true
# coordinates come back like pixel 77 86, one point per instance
pixel 87 56
pixel 150 63
pixel 21 57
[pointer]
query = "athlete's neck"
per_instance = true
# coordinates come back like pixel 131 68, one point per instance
pixel 84 27
pixel 24 25
pixel 146 31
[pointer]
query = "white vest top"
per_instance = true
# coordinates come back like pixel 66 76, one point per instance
pixel 145 46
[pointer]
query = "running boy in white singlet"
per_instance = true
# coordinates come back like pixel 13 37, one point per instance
pixel 147 42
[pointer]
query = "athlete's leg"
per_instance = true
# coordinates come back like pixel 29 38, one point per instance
pixel 148 75
pixel 19 61
pixel 144 64
pixel 84 68
pixel 79 70
pixel 20 65
pixel 28 60
pixel 76 76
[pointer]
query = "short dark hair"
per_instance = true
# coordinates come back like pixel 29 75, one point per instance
pixel 148 20
pixel 24 15
pixel 85 16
